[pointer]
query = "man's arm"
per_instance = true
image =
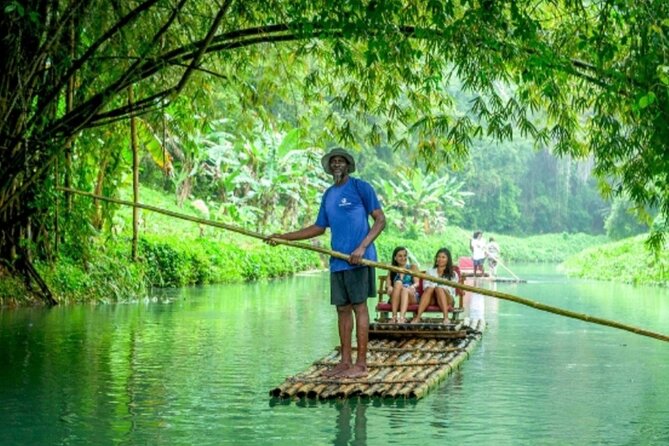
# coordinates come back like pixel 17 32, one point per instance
pixel 302 234
pixel 379 223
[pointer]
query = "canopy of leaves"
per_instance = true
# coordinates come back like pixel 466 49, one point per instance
pixel 589 78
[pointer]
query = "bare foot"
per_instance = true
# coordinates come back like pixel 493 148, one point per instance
pixel 415 320
pixel 445 321
pixel 402 320
pixel 357 371
pixel 393 320
pixel 336 370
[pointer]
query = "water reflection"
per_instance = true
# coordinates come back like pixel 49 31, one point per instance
pixel 475 303
pixel 198 371
pixel 351 423
pixel 478 306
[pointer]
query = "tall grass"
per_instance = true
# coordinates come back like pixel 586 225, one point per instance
pixel 626 260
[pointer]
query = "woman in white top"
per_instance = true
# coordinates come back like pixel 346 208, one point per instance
pixel 433 292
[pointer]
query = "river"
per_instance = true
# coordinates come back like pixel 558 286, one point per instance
pixel 194 367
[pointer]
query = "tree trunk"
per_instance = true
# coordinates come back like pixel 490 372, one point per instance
pixel 184 189
pixel 69 106
pixel 135 176
pixel 97 208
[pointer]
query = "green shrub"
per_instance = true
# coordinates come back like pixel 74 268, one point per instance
pixel 13 291
pixel 626 260
pixel 171 263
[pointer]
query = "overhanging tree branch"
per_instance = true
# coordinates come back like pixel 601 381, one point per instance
pixel 78 120
pixel 190 54
pixel 90 52
pixel 203 48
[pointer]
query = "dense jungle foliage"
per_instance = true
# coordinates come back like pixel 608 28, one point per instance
pixel 502 116
pixel 176 253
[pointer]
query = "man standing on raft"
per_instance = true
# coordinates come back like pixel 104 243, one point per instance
pixel 345 207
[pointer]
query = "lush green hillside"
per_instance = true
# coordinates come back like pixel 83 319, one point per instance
pixel 626 260
pixel 175 253
pixel 547 248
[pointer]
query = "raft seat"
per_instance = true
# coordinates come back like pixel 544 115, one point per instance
pixel 383 307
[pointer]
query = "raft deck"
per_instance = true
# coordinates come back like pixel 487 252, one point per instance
pixel 503 279
pixel 400 366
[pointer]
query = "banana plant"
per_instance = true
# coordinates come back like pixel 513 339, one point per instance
pixel 423 199
pixel 263 178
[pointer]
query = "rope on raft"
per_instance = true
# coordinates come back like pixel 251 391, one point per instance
pixel 499 295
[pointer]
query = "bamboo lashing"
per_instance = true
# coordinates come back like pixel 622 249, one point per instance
pixel 426 364
pixel 496 294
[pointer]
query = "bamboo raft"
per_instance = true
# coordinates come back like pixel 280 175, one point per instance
pixel 399 366
pixel 503 279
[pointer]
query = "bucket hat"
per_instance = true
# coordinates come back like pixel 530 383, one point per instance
pixel 337 151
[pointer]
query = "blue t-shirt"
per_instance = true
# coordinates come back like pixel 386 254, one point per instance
pixel 345 209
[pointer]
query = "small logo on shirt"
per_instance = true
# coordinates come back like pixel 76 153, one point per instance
pixel 344 202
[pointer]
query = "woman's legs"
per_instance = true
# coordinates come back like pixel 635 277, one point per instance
pixel 408 297
pixel 395 297
pixel 425 301
pixel 444 300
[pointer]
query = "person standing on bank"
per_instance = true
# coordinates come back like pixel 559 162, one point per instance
pixel 345 207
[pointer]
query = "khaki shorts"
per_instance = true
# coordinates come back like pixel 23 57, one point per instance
pixel 352 286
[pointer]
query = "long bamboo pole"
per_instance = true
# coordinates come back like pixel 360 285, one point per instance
pixel 499 295
pixel 506 268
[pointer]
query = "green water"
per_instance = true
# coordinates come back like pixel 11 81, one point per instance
pixel 194 367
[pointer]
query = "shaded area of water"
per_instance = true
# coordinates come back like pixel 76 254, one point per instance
pixel 196 369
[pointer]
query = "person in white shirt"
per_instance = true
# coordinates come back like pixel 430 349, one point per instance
pixel 492 253
pixel 478 247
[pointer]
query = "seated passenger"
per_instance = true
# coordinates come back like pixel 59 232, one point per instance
pixel 433 292
pixel 401 287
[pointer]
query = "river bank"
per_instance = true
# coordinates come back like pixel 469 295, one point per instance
pixel 626 261
pixel 105 273
pixel 175 253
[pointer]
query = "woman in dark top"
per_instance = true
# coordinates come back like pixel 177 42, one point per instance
pixel 401 287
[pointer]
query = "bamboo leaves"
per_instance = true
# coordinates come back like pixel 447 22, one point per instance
pixel 595 73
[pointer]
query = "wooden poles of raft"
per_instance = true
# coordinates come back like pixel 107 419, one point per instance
pixel 504 296
pixel 397 369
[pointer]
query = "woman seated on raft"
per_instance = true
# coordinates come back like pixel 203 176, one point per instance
pixel 435 292
pixel 402 288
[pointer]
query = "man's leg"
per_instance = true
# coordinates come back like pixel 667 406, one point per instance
pixel 345 325
pixel 362 336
